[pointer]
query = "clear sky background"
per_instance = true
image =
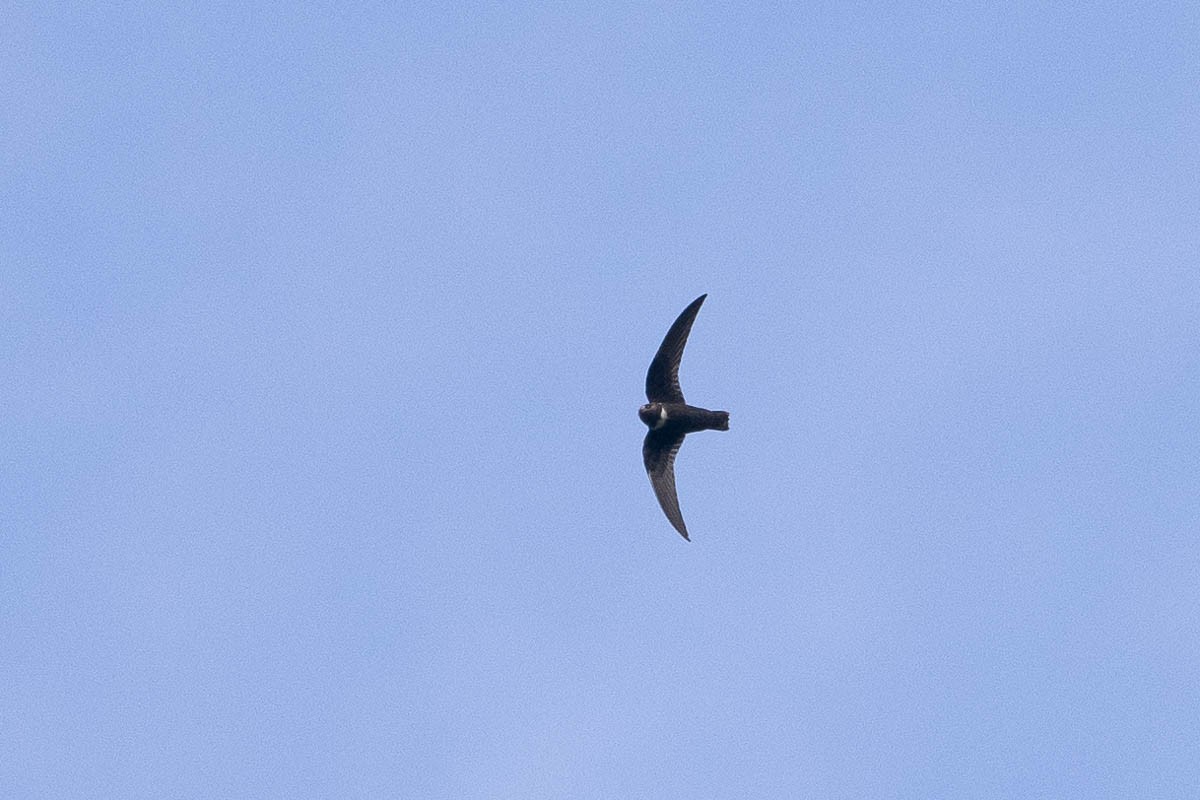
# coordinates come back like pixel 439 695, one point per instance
pixel 324 333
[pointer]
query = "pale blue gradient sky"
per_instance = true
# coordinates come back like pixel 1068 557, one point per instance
pixel 324 334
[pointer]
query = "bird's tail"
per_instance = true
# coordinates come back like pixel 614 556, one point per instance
pixel 720 420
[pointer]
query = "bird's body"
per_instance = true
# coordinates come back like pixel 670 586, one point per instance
pixel 669 418
pixel 682 418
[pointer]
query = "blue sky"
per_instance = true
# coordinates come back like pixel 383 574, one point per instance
pixel 324 334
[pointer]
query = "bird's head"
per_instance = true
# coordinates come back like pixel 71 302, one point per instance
pixel 653 414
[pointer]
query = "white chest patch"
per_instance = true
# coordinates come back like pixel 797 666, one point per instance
pixel 662 418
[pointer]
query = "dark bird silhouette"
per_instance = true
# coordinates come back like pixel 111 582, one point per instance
pixel 670 418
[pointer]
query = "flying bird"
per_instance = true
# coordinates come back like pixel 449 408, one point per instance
pixel 670 418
